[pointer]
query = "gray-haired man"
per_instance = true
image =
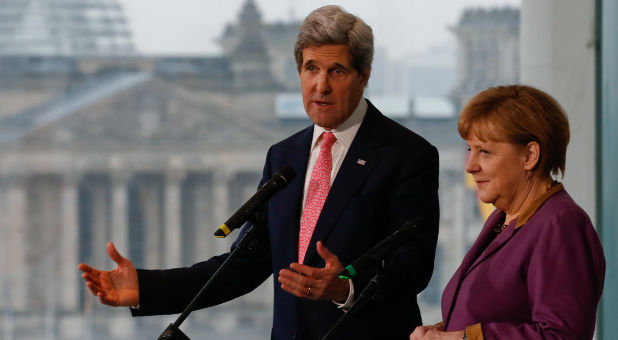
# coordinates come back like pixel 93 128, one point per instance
pixel 373 175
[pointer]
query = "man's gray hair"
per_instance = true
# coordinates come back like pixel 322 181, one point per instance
pixel 333 25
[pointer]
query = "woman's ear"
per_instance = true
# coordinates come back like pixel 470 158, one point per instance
pixel 532 155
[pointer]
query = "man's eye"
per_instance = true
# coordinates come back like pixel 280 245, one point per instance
pixel 339 70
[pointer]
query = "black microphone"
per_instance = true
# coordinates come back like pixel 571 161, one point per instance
pixel 277 182
pixel 408 231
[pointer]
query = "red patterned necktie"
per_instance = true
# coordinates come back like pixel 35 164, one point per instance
pixel 319 184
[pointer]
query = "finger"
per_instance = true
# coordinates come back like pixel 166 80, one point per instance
pixel 86 268
pixel 114 254
pixel 89 277
pixel 431 334
pixel 293 287
pixel 294 279
pixel 94 289
pixel 296 284
pixel 418 333
pixel 299 291
pixel 304 269
pixel 331 259
pixel 289 275
pixel 292 290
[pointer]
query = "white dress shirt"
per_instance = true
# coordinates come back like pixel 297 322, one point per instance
pixel 345 134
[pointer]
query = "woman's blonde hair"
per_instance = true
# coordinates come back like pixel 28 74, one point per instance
pixel 519 114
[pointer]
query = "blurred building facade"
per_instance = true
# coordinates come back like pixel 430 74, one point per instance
pixel 153 153
pixel 64 28
pixel 487 51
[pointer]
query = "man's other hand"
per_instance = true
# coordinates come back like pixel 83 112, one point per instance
pixel 316 283
pixel 118 287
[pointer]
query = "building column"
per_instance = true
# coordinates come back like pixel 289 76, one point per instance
pixel 119 328
pixel 152 222
pixel 203 222
pixel 120 225
pixel 4 251
pixel 221 206
pixel 99 226
pixel 5 254
pixel 15 242
pixel 69 244
pixel 173 221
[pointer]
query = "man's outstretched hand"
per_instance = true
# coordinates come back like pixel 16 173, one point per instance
pixel 118 287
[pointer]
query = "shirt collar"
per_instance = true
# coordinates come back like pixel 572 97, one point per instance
pixel 536 204
pixel 346 131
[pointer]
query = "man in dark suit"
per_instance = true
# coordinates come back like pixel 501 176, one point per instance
pixel 359 176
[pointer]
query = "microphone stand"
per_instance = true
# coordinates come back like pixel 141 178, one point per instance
pixel 372 291
pixel 173 332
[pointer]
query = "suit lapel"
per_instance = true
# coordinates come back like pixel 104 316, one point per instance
pixel 357 165
pixel 495 245
pixel 288 204
pixel 472 257
pixel 483 241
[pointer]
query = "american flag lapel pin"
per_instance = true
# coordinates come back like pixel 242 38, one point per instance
pixel 361 161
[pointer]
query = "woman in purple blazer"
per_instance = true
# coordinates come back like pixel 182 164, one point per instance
pixel 536 270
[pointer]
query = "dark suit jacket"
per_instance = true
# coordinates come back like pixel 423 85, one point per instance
pixel 541 279
pixel 397 182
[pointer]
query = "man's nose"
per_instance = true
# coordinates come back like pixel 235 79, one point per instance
pixel 323 85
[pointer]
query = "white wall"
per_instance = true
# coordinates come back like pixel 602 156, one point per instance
pixel 558 56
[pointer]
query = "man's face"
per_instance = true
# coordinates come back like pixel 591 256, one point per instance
pixel 331 86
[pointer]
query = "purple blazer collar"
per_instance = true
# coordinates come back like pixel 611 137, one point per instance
pixel 487 244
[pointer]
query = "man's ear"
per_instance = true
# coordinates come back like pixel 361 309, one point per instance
pixel 365 76
pixel 532 155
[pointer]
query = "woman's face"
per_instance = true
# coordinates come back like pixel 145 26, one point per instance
pixel 499 171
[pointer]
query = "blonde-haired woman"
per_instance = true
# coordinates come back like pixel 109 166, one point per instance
pixel 537 269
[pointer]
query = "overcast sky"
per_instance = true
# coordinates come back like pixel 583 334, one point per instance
pixel 192 26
